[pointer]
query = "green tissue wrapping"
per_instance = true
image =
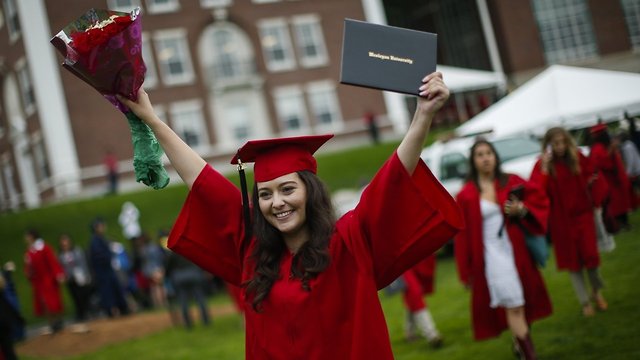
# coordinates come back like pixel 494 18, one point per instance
pixel 147 154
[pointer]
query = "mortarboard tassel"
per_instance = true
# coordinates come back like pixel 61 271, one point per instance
pixel 245 204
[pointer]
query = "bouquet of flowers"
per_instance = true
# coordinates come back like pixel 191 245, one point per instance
pixel 104 49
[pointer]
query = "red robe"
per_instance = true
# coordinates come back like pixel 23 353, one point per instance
pixel 43 271
pixel 400 219
pixel 612 167
pixel 469 252
pixel 571 224
pixel 419 281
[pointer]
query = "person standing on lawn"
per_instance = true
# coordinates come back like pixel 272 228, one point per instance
pixel 493 261
pixel 46 275
pixel 311 282
pixel 419 281
pixel 568 178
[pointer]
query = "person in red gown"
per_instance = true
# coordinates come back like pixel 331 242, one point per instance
pixel 419 281
pixel 569 180
pixel 493 261
pixel 45 274
pixel 606 158
pixel 311 282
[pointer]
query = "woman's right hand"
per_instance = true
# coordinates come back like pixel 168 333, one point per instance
pixel 545 162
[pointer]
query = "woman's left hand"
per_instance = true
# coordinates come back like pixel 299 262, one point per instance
pixel 514 208
pixel 433 93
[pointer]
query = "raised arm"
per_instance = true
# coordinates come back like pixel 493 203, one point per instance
pixel 185 160
pixel 433 94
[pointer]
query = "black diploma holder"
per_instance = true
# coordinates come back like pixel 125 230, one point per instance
pixel 386 57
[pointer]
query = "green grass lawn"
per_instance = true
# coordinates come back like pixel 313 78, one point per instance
pixel 614 334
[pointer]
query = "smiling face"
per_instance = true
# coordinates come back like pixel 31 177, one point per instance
pixel 283 203
pixel 484 159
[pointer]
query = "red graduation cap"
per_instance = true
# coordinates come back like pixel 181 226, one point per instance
pixel 276 157
pixel 597 128
pixel 273 158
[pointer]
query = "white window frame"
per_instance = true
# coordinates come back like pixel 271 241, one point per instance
pixel 151 77
pixel 11 10
pixel 235 122
pixel 566 30
pixel 279 26
pixel 113 5
pixel 317 40
pixel 282 94
pixel 631 9
pixel 199 126
pixel 327 89
pixel 168 7
pixel 25 83
pixel 163 52
pixel 210 4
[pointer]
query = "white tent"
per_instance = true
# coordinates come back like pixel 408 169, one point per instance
pixel 560 96
pixel 461 79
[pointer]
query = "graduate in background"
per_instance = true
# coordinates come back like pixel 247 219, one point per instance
pixel 311 282
pixel 568 178
pixel 419 281
pixel 493 261
pixel 46 275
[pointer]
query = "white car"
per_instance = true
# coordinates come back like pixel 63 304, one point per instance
pixel 448 160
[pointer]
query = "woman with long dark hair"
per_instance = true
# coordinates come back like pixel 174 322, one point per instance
pixel 493 261
pixel 310 281
pixel 568 178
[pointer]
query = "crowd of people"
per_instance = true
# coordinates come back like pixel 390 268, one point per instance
pixel 106 279
pixel 304 278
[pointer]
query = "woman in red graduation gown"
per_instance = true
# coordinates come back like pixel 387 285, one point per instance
pixel 419 281
pixel 568 178
pixel 606 158
pixel 492 258
pixel 45 274
pixel 311 282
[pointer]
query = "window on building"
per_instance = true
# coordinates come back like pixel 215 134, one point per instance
pixel 40 158
pixel 565 29
pixel 187 121
pixel 265 1
pixel 13 22
pixel 173 57
pixel 631 10
pixel 123 5
pixel 237 116
pixel 324 104
pixel 230 62
pixel 215 3
pixel 151 76
pixel 26 87
pixel 309 40
pixel 291 109
pixel 276 45
pixel 162 6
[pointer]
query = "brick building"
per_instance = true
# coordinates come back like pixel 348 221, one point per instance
pixel 223 71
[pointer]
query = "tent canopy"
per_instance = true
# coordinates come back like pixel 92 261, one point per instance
pixel 461 79
pixel 560 96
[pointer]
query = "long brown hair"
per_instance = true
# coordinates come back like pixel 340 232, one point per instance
pixel 313 256
pixel 473 172
pixel 571 155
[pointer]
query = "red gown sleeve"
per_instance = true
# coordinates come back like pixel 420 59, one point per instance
pixel 537 203
pixel 601 159
pixel 462 242
pixel 538 177
pixel 400 220
pixel 209 228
